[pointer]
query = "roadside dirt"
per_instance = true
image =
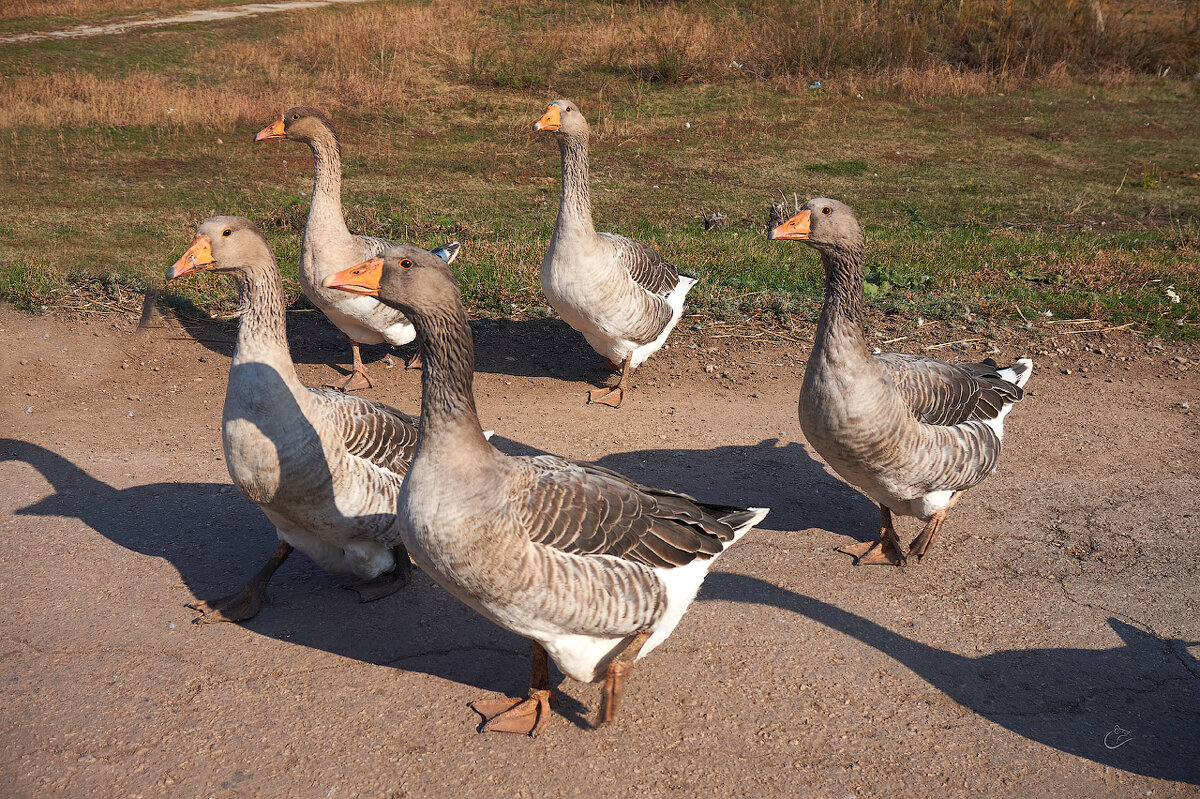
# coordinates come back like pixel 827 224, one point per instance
pixel 1047 647
pixel 182 18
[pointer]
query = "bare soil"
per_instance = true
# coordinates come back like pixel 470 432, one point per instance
pixel 1046 647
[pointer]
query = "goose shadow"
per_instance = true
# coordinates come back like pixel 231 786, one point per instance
pixel 747 475
pixel 546 347
pixel 517 348
pixel 1135 707
pixel 216 539
pixel 312 338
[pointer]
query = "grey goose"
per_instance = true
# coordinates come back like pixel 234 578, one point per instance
pixel 324 466
pixel 595 569
pixel 329 246
pixel 621 294
pixel 912 433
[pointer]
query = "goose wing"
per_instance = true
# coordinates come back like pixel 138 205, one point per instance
pixel 372 431
pixel 645 265
pixel 941 393
pixel 585 509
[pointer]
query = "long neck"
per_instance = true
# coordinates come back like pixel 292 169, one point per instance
pixel 326 209
pixel 262 334
pixel 575 206
pixel 447 398
pixel 844 278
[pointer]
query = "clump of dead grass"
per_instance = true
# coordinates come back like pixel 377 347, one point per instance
pixel 386 55
pixel 75 98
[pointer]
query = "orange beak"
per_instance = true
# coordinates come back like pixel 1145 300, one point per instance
pixel 551 120
pixel 197 258
pixel 794 229
pixel 272 131
pixel 361 279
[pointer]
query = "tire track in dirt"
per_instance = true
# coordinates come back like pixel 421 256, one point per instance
pixel 184 18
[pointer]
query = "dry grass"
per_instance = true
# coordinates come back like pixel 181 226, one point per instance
pixel 384 55
pixel 90 9
pixel 77 99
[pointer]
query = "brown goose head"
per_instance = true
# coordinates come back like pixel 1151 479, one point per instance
pixel 223 244
pixel 564 119
pixel 405 277
pixel 821 223
pixel 300 123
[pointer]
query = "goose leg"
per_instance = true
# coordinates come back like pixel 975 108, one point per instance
pixel 357 379
pixel 618 671
pixel 884 551
pixel 243 604
pixel 387 583
pixel 921 543
pixel 612 395
pixel 525 716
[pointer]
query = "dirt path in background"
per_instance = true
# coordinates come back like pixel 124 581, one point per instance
pixel 1041 650
pixel 182 18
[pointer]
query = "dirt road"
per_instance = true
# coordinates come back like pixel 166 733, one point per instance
pixel 181 18
pixel 1041 650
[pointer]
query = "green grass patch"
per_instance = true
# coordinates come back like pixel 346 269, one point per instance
pixel 1079 199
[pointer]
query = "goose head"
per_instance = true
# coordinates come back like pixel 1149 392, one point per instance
pixel 223 244
pixel 564 119
pixel 404 277
pixel 299 123
pixel 821 223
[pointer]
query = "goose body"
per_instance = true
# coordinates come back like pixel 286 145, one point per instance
pixel 621 294
pixel 326 468
pixel 594 568
pixel 912 433
pixel 329 246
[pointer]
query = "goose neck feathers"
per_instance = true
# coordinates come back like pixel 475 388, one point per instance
pixel 421 285
pixel 239 249
pixel 313 127
pixel 575 205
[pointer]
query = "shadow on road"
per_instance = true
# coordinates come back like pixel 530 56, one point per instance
pixel 216 539
pixel 1135 707
pixel 518 348
pixel 1073 700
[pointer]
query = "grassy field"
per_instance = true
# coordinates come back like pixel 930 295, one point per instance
pixel 995 185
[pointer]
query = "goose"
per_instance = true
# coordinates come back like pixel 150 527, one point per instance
pixel 595 569
pixel 621 294
pixel 329 246
pixel 912 433
pixel 324 466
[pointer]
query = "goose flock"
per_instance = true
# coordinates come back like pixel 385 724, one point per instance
pixel 596 570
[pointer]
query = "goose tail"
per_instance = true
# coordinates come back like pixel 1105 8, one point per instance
pixel 743 521
pixel 1017 374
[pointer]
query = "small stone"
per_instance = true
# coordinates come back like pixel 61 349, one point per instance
pixel 710 368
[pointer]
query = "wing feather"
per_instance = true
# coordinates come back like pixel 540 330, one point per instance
pixel 372 431
pixel 645 264
pixel 941 393
pixel 585 509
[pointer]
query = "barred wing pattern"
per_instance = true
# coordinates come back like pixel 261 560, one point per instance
pixel 646 266
pixel 372 431
pixel 941 393
pixel 584 509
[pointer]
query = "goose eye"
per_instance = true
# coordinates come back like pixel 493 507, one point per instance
pixel 405 264
pixel 295 116
pixel 227 232
pixel 827 210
